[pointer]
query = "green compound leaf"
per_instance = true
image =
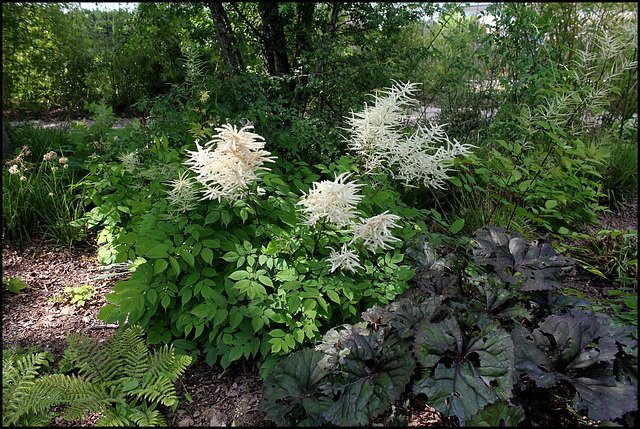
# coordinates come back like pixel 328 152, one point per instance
pixel 293 386
pixel 464 372
pixel 375 375
pixel 498 414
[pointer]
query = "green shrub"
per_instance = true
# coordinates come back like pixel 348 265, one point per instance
pixel 251 274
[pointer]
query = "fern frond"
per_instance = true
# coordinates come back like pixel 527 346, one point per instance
pixel 161 390
pixel 133 349
pixel 164 362
pixel 147 416
pixel 111 418
pixel 82 396
pixel 18 397
pixel 97 362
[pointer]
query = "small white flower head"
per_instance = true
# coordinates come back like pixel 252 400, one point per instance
pixel 63 160
pixel 54 168
pixel 66 166
pixel 229 169
pixel 344 260
pixel 182 195
pixel 130 160
pixel 334 200
pixel 23 178
pixel 50 156
pixel 375 231
pixel 14 169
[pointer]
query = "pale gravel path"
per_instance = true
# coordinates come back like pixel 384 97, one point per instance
pixel 89 122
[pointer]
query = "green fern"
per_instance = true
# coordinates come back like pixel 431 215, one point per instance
pixel 18 402
pixel 118 379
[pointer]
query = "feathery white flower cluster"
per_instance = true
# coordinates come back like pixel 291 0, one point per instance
pixel 379 138
pixel 375 231
pixel 336 202
pixel 231 167
pixel 345 259
pixel 183 195
pixel 130 160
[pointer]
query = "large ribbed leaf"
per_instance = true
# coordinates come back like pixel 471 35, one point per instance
pixel 498 414
pixel 494 302
pixel 294 384
pixel 433 273
pixel 575 348
pixel 374 374
pixel 464 372
pixel 405 313
pixel 534 266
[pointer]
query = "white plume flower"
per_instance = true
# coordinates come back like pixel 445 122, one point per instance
pixel 344 260
pixel 228 169
pixel 334 200
pixel 375 231
pixel 378 136
pixel 183 195
pixel 130 160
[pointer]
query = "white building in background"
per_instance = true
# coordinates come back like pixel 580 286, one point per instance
pixel 476 9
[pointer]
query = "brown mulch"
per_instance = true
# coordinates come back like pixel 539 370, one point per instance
pixel 41 316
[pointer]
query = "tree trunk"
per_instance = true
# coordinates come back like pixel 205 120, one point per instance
pixel 331 29
pixel 220 19
pixel 274 44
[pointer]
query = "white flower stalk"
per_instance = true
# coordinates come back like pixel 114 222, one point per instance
pixel 344 260
pixel 427 156
pixel 157 171
pixel 229 169
pixel 182 194
pixel 375 231
pixel 49 156
pixel 130 161
pixel 378 137
pixel 377 128
pixel 336 201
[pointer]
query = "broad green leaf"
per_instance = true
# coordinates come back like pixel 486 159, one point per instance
pixel 207 255
pixel 16 285
pixel 498 414
pixel 294 385
pixel 456 226
pixel 187 256
pixel 160 266
pixel 464 371
pixel 375 379
pixel 174 265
